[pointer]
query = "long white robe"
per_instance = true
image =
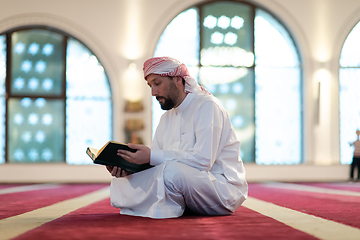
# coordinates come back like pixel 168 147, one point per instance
pixel 195 141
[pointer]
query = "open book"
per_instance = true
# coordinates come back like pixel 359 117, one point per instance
pixel 107 155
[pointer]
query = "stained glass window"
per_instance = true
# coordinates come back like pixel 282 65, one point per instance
pixel 35 124
pixel 37 67
pixel 225 35
pixel 226 58
pixel 349 98
pixel 248 60
pixel 35 130
pixel 59 99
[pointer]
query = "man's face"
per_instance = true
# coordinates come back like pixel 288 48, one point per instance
pixel 164 89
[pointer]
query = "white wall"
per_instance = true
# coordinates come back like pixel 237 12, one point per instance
pixel 121 32
pixel 64 173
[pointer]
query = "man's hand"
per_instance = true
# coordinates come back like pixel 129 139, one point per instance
pixel 117 171
pixel 141 156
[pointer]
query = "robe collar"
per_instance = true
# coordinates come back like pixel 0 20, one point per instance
pixel 185 103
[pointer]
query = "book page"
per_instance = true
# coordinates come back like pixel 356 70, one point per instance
pixel 94 151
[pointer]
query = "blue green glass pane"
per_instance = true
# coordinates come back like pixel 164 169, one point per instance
pixel 350 54
pixel 85 76
pixel 183 47
pixel 273 44
pixel 349 98
pixel 2 97
pixel 278 115
pixel 234 87
pixel 37 62
pixel 88 124
pixel 226 35
pixel 36 130
pixel 2 64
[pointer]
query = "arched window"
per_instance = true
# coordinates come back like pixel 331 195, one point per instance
pixel 246 58
pixel 55 98
pixel 349 95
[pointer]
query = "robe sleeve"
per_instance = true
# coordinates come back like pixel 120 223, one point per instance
pixel 208 126
pixel 156 145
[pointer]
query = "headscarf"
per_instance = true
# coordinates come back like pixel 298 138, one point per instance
pixel 167 66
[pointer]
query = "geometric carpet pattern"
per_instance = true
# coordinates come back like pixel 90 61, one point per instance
pixel 272 211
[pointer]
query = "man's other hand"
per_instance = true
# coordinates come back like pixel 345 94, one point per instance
pixel 117 171
pixel 141 156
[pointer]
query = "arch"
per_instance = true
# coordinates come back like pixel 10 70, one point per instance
pixel 73 29
pixel 303 45
pixel 84 36
pixel 348 82
pixel 342 35
pixel 82 101
pixel 245 78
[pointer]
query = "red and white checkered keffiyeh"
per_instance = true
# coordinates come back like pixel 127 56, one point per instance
pixel 167 66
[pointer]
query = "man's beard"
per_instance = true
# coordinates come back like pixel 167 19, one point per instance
pixel 169 100
pixel 167 104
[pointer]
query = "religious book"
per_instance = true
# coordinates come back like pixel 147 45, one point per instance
pixel 107 155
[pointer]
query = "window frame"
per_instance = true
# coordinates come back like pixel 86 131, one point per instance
pixel 8 95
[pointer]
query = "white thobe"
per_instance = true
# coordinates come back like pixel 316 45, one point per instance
pixel 197 165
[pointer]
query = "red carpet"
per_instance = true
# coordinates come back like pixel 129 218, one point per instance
pixel 349 186
pixel 101 221
pixel 17 203
pixel 339 208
